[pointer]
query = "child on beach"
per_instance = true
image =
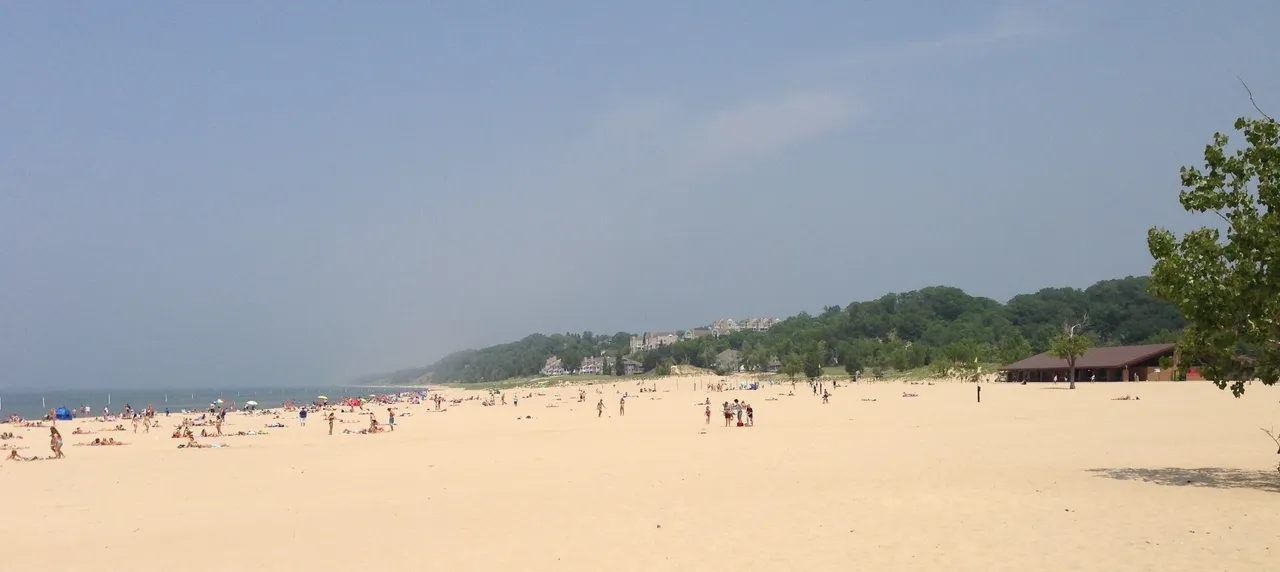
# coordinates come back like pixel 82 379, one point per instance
pixel 708 414
pixel 55 442
pixel 391 419
pixel 302 417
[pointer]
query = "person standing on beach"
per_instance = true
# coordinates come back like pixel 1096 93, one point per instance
pixel 331 423
pixel 55 442
pixel 707 413
pixel 622 406
pixel 302 416
pixel 600 409
pixel 391 419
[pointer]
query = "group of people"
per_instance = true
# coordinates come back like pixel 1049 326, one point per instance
pixel 736 409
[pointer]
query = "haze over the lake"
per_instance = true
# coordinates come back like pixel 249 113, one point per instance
pixel 253 193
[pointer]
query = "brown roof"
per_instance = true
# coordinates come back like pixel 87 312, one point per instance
pixel 1111 356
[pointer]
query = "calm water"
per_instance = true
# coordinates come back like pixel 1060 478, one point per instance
pixel 32 404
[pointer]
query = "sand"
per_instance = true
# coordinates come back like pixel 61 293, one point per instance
pixel 1034 478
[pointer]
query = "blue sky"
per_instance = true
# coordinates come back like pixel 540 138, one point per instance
pixel 239 193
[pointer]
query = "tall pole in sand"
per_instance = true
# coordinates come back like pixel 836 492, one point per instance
pixel 108 400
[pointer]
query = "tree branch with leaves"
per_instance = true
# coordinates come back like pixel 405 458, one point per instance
pixel 1070 345
pixel 1228 289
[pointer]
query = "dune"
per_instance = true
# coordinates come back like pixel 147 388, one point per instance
pixel 1034 477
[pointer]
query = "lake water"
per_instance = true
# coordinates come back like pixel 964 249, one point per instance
pixel 34 404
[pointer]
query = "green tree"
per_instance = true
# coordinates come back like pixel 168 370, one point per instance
pixel 852 363
pixel 792 366
pixel 813 364
pixel 571 359
pixel 1070 345
pixel 619 368
pixel 707 357
pixel 664 367
pixel 1228 290
pixel 1015 347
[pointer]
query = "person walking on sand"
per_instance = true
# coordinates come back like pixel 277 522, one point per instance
pixel 600 409
pixel 55 443
pixel 751 416
pixel 622 406
pixel 302 417
pixel 391 419
pixel 708 414
pixel 331 423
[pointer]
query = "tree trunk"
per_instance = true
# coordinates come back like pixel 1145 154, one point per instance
pixel 1073 376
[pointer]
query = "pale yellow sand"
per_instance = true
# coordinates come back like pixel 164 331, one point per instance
pixel 1033 478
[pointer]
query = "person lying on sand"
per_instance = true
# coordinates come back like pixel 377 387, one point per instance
pixel 905 394
pixel 100 442
pixel 1126 398
pixel 193 444
pixel 871 399
pixel 81 431
pixel 14 456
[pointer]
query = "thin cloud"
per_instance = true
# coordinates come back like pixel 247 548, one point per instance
pixel 662 135
pixel 758 129
pixel 691 140
pixel 1010 23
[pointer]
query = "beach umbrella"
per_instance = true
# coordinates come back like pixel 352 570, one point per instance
pixel 324 397
pixel 251 402
pixel 219 401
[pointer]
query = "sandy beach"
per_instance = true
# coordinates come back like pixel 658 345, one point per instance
pixel 1035 477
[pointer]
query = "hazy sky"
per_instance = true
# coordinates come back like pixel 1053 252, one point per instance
pixel 238 193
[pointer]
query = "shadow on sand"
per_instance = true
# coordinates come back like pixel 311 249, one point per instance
pixel 1208 477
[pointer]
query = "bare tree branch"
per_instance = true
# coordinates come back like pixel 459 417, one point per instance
pixel 1273 437
pixel 1255 104
pixel 1224 219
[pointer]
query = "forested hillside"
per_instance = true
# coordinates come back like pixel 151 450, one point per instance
pixel 897 331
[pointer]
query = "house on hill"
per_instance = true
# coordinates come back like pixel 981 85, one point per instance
pixel 595 366
pixel 632 367
pixel 1113 363
pixel 655 340
pixel 553 366
pixel 729 360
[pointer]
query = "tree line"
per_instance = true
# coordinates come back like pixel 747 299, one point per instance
pixel 937 326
